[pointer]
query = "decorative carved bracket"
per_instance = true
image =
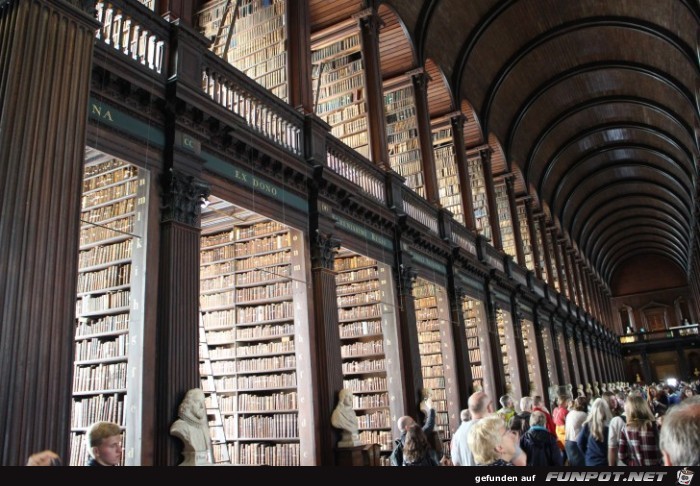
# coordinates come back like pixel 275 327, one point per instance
pixel 408 276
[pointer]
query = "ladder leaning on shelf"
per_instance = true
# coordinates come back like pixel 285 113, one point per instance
pixel 220 450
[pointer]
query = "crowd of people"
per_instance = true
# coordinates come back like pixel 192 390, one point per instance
pixel 622 426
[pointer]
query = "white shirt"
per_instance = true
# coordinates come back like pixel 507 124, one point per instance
pixel 574 422
pixel 461 455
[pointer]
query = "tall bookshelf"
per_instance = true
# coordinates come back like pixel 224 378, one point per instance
pixel 542 263
pixel 338 77
pixel 369 346
pixel 554 277
pixel 477 344
pixel 257 45
pixel 436 353
pixel 109 306
pixel 480 200
pixel 563 285
pixel 402 136
pixel 506 339
pixel 254 316
pixel 505 219
pixel 446 171
pixel 526 237
pixel 548 347
pixel 534 379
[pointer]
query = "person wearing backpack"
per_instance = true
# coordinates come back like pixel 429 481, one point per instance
pixel 539 444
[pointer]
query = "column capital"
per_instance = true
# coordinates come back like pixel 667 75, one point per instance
pixel 326 248
pixel 183 196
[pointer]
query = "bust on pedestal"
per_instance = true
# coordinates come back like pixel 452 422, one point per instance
pixel 344 419
pixel 192 429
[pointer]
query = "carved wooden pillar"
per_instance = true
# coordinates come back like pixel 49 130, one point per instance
pixel 329 379
pixel 370 22
pixel 532 226
pixel 177 9
pixel 299 65
pixel 540 335
pixel 408 335
pixel 559 377
pixel 496 239
pixel 462 163
pixel 520 357
pixel 177 335
pixel 496 358
pixel 510 190
pixel 570 345
pixel 571 283
pixel 420 88
pixel 464 374
pixel 46 56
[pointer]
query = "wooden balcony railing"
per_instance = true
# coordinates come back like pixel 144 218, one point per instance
pixel 346 162
pixel 135 31
pixel 263 112
pixel 463 238
pixel 419 209
pixel 690 331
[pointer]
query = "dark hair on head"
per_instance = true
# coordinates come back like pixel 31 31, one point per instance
pixel 416 444
pixel 581 404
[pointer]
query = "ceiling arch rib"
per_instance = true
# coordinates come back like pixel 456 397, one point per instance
pixel 598 103
pixel 396 52
pixel 622 161
pixel 617 203
pixel 646 243
pixel 637 250
pixel 565 29
pixel 650 237
pixel 590 189
pixel 584 73
pixel 631 216
pixel 644 228
pixel 597 136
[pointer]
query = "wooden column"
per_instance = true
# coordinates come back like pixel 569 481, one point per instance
pixel 45 58
pixel 546 322
pixel 517 319
pixel 462 163
pixel 557 260
pixel 568 268
pixel 539 327
pixel 177 334
pixel 299 57
pixel 420 89
pixel 532 226
pixel 572 354
pixel 370 22
pixel 408 335
pixel 496 239
pixel 464 374
pixel 326 343
pixel 510 190
pixel 496 358
pixel 324 334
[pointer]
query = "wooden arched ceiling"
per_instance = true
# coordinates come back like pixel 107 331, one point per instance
pixel 440 101
pixel 323 13
pixel 597 102
pixel 395 50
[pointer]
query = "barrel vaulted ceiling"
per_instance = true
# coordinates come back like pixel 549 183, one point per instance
pixel 595 102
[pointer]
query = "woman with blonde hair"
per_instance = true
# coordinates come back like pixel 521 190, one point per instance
pixel 593 438
pixel 639 440
pixel 492 443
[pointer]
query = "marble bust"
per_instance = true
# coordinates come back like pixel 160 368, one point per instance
pixel 192 429
pixel 344 419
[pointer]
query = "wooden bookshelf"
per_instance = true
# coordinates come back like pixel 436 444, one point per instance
pixel 505 219
pixel 473 314
pixel 257 45
pixel 402 135
pixel 542 263
pixel 534 377
pixel 369 346
pixel 525 237
pixel 253 309
pixel 109 306
pixel 446 170
pixel 506 339
pixel 554 277
pixel 479 198
pixel 338 77
pixel 436 352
